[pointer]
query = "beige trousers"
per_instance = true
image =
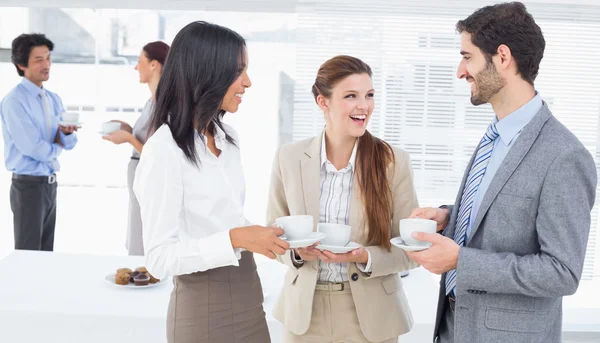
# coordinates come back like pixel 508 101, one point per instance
pixel 333 320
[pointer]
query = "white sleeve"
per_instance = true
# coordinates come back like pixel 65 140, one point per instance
pixel 365 268
pixel 158 186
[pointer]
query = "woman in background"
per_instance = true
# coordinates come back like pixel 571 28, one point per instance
pixel 150 65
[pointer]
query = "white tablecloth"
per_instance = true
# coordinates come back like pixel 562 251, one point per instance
pixel 63 298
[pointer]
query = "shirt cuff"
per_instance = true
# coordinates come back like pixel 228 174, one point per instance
pixel 365 268
pixel 238 252
pixel 68 141
pixel 219 251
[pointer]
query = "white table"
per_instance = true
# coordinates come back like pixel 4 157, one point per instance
pixel 63 298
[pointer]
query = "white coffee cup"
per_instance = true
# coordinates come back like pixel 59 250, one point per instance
pixel 70 117
pixel 335 234
pixel 410 225
pixel 295 227
pixel 110 127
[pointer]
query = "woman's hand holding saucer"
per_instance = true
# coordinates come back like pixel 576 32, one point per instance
pixel 359 255
pixel 308 253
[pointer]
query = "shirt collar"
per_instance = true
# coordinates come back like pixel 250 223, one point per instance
pixel 219 134
pixel 512 124
pixel 324 159
pixel 31 87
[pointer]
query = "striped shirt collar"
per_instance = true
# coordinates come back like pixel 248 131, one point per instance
pixel 330 167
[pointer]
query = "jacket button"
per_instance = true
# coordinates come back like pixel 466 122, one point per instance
pixel 354 277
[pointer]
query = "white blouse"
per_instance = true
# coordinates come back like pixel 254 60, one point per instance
pixel 188 210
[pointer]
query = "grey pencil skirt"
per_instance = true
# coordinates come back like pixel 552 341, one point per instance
pixel 221 305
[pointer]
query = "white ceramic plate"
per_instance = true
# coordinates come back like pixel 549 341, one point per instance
pixel 336 249
pixel 110 278
pixel 398 242
pixel 313 238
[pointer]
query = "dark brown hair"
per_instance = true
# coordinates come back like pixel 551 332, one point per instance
pixel 373 155
pixel 509 24
pixel 157 51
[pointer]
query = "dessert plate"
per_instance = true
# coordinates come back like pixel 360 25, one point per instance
pixel 110 278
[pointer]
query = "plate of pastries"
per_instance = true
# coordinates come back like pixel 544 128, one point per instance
pixel 138 278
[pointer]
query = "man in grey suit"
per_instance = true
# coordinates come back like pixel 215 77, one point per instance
pixel 514 242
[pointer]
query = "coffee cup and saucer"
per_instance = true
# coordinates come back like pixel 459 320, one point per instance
pixel 298 231
pixel 409 225
pixel 337 238
pixel 110 127
pixel 70 119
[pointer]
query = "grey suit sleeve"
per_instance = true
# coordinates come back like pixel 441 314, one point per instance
pixel 450 208
pixel 562 224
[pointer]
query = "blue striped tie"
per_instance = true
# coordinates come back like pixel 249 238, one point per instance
pixel 469 191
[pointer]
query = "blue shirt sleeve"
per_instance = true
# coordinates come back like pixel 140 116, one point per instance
pixel 25 135
pixel 68 141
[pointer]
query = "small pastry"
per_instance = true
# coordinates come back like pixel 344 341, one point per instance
pixel 141 269
pixel 122 278
pixel 141 279
pixel 134 274
pixel 124 270
pixel 152 278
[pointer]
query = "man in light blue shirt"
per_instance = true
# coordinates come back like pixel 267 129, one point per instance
pixel 33 140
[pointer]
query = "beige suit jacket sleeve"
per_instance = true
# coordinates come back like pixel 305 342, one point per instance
pixel 386 262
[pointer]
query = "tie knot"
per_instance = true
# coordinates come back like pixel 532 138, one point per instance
pixel 43 93
pixel 491 133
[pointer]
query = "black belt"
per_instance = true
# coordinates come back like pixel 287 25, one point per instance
pixel 135 158
pixel 35 179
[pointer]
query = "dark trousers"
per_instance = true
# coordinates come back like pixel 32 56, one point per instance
pixel 33 203
pixel 446 330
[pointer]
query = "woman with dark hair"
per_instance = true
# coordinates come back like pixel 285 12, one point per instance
pixel 344 176
pixel 150 65
pixel 190 186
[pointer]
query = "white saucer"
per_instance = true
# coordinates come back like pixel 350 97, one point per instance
pixel 398 242
pixel 68 123
pixel 110 278
pixel 336 249
pixel 313 238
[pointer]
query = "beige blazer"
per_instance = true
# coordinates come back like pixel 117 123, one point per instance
pixel 381 305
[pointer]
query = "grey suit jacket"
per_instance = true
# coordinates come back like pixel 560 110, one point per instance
pixel 528 241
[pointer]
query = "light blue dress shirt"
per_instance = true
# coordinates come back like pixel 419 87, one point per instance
pixel 27 148
pixel 509 129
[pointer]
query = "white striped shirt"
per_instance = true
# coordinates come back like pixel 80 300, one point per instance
pixel 335 199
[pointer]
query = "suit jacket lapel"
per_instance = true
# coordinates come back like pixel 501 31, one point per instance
pixel 512 160
pixel 310 170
